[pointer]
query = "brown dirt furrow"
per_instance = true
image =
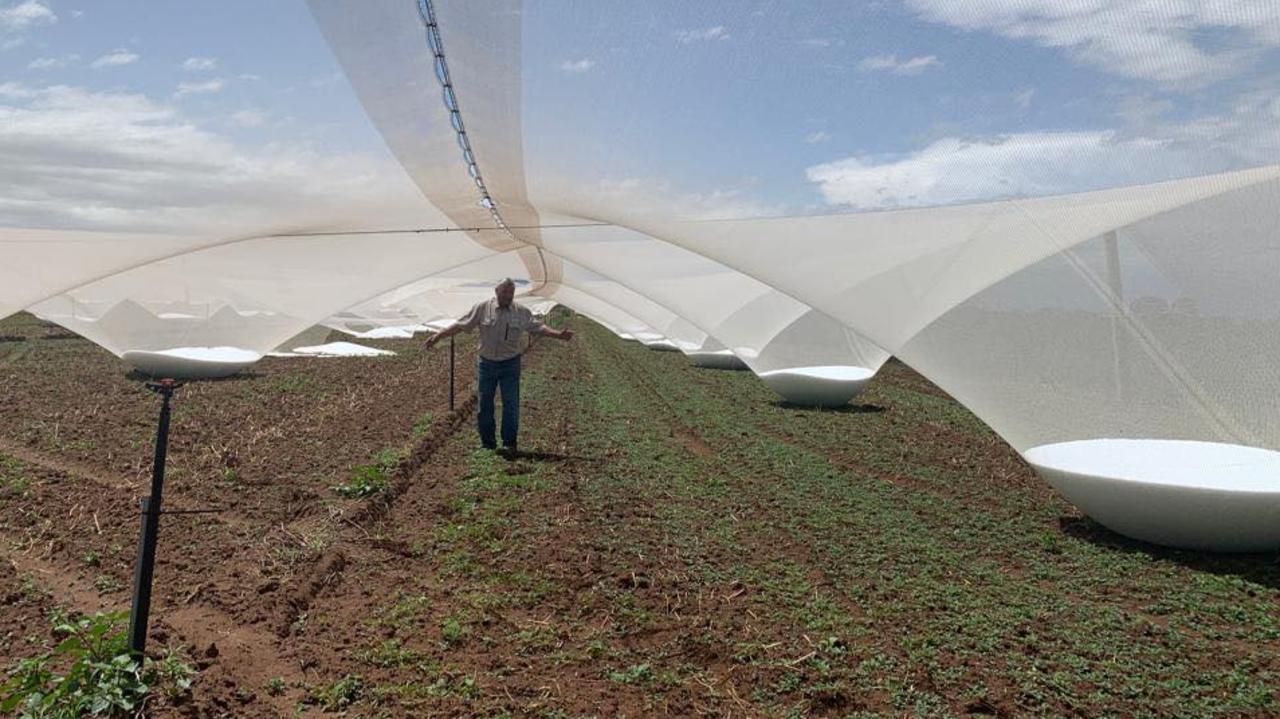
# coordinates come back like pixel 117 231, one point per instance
pixel 236 663
pixel 326 570
pixel 65 588
pixel 67 466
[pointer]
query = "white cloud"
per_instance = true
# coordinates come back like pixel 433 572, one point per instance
pixel 817 42
pixel 1022 98
pixel 197 64
pixel 634 196
pixel 891 63
pixel 31 13
pixel 954 169
pixel 200 88
pixel 53 63
pixel 249 118
pixel 250 76
pixel 80 159
pixel 814 138
pixel 712 33
pixel 577 67
pixel 115 58
pixel 13 90
pixel 1165 42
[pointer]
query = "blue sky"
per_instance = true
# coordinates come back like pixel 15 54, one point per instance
pixel 751 98
pixel 263 59
pixel 718 108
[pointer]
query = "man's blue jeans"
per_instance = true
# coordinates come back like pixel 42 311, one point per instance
pixel 490 376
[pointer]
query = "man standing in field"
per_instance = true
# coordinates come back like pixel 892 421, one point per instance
pixel 502 325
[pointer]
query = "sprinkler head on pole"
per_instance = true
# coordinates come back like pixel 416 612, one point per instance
pixel 164 386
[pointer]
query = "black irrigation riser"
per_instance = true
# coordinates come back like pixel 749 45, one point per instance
pixel 144 570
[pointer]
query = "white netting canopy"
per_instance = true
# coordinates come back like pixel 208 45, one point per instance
pixel 1062 213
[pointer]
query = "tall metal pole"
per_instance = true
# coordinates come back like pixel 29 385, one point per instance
pixel 451 373
pixel 144 570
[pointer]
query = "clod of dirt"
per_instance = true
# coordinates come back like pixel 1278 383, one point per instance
pixel 211 651
pixel 268 586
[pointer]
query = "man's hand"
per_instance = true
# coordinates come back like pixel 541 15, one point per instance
pixel 449 331
pixel 565 335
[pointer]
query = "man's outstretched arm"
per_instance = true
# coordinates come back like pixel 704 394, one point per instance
pixel 451 330
pixel 469 322
pixel 545 331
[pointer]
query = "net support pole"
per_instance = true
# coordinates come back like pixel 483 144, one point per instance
pixel 144 569
pixel 451 356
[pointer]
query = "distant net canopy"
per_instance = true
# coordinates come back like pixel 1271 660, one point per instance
pixel 1066 285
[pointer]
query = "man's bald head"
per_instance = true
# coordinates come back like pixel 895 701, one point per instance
pixel 505 291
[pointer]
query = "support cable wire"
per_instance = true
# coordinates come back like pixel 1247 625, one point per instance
pixel 431 230
pixel 428 13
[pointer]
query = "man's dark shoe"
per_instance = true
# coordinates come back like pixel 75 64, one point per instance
pixel 490 447
pixel 509 451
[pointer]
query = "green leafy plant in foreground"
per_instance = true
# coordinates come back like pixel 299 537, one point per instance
pixel 101 676
pixel 365 481
pixel 369 479
pixel 102 679
pixel 338 695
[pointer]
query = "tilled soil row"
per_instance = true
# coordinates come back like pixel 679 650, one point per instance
pixel 70 530
pixel 326 570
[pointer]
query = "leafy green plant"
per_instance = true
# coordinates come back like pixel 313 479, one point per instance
pixel 423 425
pixel 276 686
pixel 387 459
pixel 172 672
pixel 106 583
pixel 366 481
pixel 101 679
pixel 340 694
pixel 369 479
pixel 634 674
pixel 453 631
pixel 12 478
pixel 390 653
